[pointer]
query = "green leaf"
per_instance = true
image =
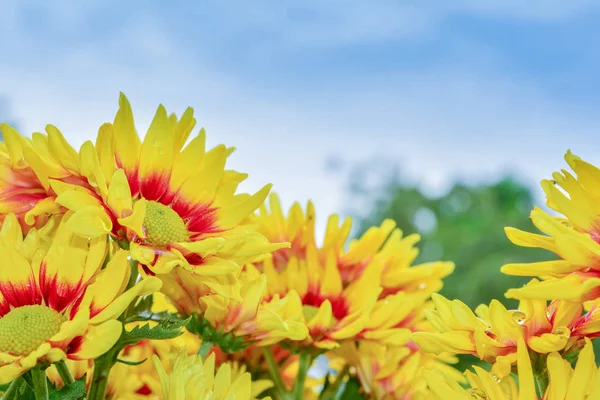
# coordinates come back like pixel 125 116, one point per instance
pixel 143 312
pixel 166 329
pixel 352 390
pixel 145 304
pixel 325 386
pixel 75 391
pixel 132 363
pixel 226 341
pixel 144 316
pixel 26 393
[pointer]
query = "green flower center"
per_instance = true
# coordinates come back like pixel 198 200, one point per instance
pixel 23 329
pixel 163 225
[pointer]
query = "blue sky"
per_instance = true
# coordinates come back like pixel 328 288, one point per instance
pixel 466 90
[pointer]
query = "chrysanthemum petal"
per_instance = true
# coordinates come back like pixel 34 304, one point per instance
pixel 571 288
pixel 156 157
pixel 232 215
pixel 127 142
pixel 187 162
pixel 17 283
pixel 105 149
pixel 61 150
pixel 97 340
pixel 146 286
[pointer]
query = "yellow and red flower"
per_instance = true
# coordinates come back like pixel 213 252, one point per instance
pixel 564 381
pixel 250 317
pixel 365 292
pixel 492 332
pixel 60 304
pixel 191 379
pixel 575 239
pixel 26 168
pixel 174 206
pixel 394 372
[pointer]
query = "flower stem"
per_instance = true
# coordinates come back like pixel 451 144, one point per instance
pixel 104 363
pixel 133 277
pixel 102 366
pixel 541 383
pixel 332 390
pixel 13 389
pixel 304 364
pixel 40 383
pixel 274 372
pixel 205 348
pixel 63 371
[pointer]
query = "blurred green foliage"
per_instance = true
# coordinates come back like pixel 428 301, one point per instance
pixel 465 225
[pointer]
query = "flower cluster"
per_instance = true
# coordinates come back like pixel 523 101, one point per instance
pixel 133 268
pixel 546 341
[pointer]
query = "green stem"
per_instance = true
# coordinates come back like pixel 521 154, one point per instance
pixel 274 372
pixel 133 277
pixel 304 364
pixel 63 371
pixel 104 363
pixel 102 366
pixel 40 383
pixel 205 348
pixel 13 389
pixel 541 383
pixel 332 390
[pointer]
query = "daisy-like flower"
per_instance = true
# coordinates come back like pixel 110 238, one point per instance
pixel 193 379
pixel 252 359
pixel 366 291
pixel 492 333
pixel 26 168
pixel 565 382
pixel 60 304
pixel 175 206
pixel 248 318
pixel 383 244
pixel 394 372
pixel 575 239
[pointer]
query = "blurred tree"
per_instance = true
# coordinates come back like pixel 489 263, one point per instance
pixel 465 225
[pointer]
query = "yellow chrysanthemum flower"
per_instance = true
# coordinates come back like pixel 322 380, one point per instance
pixel 492 332
pixel 175 206
pixel 59 304
pixel 394 372
pixel 575 239
pixel 194 379
pixel 581 383
pixel 250 318
pixel 383 244
pixel 367 291
pixel 253 359
pixel 26 168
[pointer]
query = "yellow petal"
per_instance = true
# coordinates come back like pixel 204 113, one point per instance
pixel 61 150
pixel 146 286
pixel 127 142
pixel 156 157
pixel 98 340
